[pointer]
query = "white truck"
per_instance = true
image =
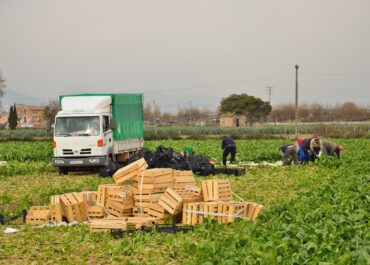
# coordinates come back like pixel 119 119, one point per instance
pixel 94 130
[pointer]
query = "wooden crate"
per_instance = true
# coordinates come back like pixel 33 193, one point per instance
pixel 216 190
pixel 89 197
pixel 106 225
pixel 210 210
pixel 56 212
pixel 38 215
pixel 155 180
pixel 223 212
pixel 173 199
pixel 140 211
pixel 157 211
pixel 130 171
pixel 137 221
pixel 183 179
pixel 95 212
pixel 145 199
pixel 119 209
pixel 105 190
pixel 102 193
pixel 74 208
pixel 190 215
pixel 253 211
pixel 122 194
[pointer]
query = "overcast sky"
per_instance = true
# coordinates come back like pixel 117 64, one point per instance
pixel 194 50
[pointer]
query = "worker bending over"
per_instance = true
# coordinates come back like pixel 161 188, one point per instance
pixel 289 153
pixel 229 147
pixel 310 149
pixel 331 149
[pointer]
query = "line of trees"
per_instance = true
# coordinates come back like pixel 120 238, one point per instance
pixel 153 115
pixel 257 110
pixel 316 112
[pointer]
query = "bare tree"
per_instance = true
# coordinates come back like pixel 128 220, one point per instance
pixel 2 87
pixel 151 113
pixel 50 112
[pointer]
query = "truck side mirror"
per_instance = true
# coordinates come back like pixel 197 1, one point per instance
pixel 112 123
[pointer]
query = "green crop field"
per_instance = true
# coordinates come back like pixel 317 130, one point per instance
pixel 314 214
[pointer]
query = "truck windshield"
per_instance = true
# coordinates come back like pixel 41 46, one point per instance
pixel 77 126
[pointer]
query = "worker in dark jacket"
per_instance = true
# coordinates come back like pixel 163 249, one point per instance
pixel 331 149
pixel 312 146
pixel 289 153
pixel 229 147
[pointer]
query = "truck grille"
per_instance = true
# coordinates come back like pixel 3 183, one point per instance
pixel 67 152
pixel 86 151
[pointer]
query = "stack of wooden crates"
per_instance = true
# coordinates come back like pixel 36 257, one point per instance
pixel 142 196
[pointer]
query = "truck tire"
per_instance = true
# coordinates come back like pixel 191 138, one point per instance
pixel 62 171
pixel 109 170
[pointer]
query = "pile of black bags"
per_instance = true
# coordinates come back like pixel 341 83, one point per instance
pixel 166 158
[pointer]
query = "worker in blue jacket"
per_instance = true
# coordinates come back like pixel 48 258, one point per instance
pixel 303 155
pixel 229 147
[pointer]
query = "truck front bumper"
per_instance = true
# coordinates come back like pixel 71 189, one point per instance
pixel 96 161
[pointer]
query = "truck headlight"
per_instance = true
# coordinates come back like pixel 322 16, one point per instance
pixel 93 160
pixel 59 161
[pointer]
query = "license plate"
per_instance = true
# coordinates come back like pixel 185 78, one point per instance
pixel 76 162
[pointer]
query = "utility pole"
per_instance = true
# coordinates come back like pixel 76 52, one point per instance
pixel 269 87
pixel 296 101
pixel 190 113
pixel 154 119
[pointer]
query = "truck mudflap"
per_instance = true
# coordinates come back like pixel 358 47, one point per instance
pixel 97 161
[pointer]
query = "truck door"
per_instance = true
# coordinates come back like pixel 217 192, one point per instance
pixel 108 134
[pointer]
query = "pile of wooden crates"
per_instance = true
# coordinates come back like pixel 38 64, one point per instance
pixel 143 197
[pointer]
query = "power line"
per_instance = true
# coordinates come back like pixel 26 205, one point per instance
pixel 221 84
pixel 336 74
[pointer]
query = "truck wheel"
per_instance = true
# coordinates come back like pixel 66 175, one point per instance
pixel 63 171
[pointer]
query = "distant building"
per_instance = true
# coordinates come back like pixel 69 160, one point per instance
pixel 3 118
pixel 232 121
pixel 31 116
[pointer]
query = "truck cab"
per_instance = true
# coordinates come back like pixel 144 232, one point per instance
pixel 92 131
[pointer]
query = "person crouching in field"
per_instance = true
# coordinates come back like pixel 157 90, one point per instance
pixel 310 149
pixel 229 147
pixel 331 149
pixel 289 153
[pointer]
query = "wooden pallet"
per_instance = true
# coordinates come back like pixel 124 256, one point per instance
pixel 130 171
pixel 106 225
pixel 119 209
pixel 38 215
pixel 216 190
pixel 95 212
pixel 157 211
pixel 74 208
pixel 173 199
